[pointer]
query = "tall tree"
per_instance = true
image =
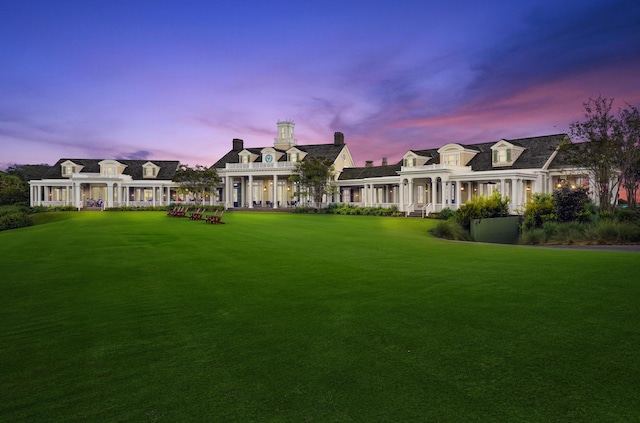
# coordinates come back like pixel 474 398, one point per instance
pixel 630 127
pixel 600 150
pixel 12 190
pixel 28 172
pixel 197 181
pixel 314 177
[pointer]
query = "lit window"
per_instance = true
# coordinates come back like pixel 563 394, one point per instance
pixel 410 162
pixel 451 159
pixel 502 156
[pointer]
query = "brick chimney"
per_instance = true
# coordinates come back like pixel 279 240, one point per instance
pixel 338 138
pixel 238 144
pixel 384 161
pixel 368 163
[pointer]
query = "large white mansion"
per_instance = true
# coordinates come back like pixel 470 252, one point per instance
pixel 257 177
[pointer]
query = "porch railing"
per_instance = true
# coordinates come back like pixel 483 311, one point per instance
pixel 426 210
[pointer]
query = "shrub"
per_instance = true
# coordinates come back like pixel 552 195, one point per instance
pixel 539 210
pixel 533 236
pixel 14 220
pixel 550 229
pixel 305 209
pixel 605 232
pixel 445 214
pixel 482 207
pixel 4 210
pixel 627 215
pixel 570 233
pixel 584 217
pixel 569 201
pixel 449 229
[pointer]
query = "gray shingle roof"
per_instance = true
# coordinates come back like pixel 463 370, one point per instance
pixel 133 169
pixel 369 172
pixel 537 151
pixel 315 150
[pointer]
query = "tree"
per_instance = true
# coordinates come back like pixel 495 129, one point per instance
pixel 314 177
pixel 28 172
pixel 12 190
pixel 197 181
pixel 630 129
pixel 600 151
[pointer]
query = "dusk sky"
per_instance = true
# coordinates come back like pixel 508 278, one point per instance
pixel 178 80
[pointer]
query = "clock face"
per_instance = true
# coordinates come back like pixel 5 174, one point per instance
pixel 269 158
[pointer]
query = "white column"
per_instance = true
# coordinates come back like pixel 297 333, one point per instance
pixel 228 187
pixel 250 193
pixel 411 191
pixel 434 192
pixel 401 195
pixel 76 195
pixel 109 202
pixel 275 191
pixel 458 191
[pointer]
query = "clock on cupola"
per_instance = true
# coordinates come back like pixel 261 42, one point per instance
pixel 268 158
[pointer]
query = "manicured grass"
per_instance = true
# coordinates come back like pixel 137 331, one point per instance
pixel 308 318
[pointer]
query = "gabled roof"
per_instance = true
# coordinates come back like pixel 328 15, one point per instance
pixel 369 172
pixel 133 168
pixel 315 150
pixel 537 152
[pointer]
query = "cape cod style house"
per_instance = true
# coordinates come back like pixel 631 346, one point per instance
pixel 259 177
pixel 425 180
pixel 106 183
pixel 432 179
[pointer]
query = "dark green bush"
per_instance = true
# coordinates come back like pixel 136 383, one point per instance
pixel 569 202
pixel 449 229
pixel 540 209
pixel 444 214
pixel 14 220
pixel 627 215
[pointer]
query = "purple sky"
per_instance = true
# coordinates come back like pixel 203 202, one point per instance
pixel 133 79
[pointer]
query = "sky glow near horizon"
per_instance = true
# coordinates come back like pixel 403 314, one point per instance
pixel 178 80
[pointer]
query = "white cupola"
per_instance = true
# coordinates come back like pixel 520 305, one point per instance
pixel 285 138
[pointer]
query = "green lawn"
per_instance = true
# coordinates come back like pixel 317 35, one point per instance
pixel 136 316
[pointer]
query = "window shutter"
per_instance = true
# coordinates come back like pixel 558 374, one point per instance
pixel 508 154
pixel 495 156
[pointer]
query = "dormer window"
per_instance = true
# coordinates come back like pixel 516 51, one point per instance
pixel 451 159
pixel 410 162
pixel 293 157
pixel 68 168
pixel 502 156
pixel 504 153
pixel 244 159
pixel 150 170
